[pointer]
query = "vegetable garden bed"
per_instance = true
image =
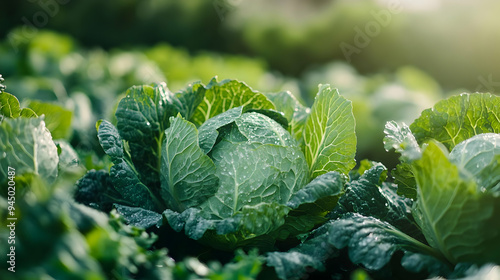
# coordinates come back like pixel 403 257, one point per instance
pixel 220 181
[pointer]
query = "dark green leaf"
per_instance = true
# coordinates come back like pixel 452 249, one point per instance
pixel 110 141
pixel 142 117
pixel 133 191
pixel 138 216
pixel 372 242
pixel 369 196
pixel 95 189
pixel 310 255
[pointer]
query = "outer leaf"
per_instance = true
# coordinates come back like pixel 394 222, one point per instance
pixel 28 113
pixel 142 117
pixel 465 271
pixel 27 146
pixel 138 216
pixel 188 174
pixel 403 177
pixel 310 255
pixel 329 137
pixel 458 118
pixel 187 100
pixel 320 195
pixel 110 141
pixel 10 107
pixel 249 227
pixel 368 196
pixel 96 190
pixel 133 191
pixel 57 118
pixel 123 174
pixel 455 216
pixel 311 204
pixel 372 242
pixel 227 94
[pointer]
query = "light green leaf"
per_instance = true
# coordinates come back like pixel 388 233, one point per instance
pixel 258 128
pixel 227 94
pixel 9 105
pixel 26 145
pixel 402 140
pixel 187 174
pixel 456 217
pixel 404 178
pixel 57 118
pixel 458 118
pixel 294 111
pixel 208 130
pixel 262 218
pixel 28 113
pixel 252 173
pixel 276 116
pixel 329 137
pixel 479 157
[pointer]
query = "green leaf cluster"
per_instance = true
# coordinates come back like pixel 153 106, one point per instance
pixel 223 163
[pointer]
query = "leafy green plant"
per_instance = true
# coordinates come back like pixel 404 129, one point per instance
pixel 57 238
pixel 222 164
pixel 447 223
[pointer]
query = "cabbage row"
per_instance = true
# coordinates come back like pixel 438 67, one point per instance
pixel 221 169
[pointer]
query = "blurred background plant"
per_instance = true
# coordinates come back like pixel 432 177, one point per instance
pixel 391 58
